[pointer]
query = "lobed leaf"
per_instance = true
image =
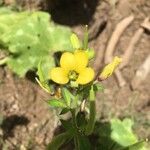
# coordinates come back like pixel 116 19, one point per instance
pixel 29 36
pixel 122 132
pixel 137 146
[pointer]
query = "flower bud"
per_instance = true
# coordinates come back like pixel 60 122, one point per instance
pixel 90 53
pixel 110 68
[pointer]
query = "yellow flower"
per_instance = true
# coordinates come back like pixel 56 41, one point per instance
pixel 110 68
pixel 73 67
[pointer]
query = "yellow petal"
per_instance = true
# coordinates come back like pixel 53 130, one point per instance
pixel 81 59
pixel 59 75
pixel 67 61
pixel 85 76
pixel 110 68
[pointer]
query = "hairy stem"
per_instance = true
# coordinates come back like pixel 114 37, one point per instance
pixel 76 139
pixel 91 122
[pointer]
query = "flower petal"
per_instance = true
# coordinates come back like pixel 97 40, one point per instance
pixel 110 68
pixel 67 61
pixel 59 75
pixel 85 76
pixel 81 59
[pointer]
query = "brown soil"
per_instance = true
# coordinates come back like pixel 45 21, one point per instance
pixel 29 123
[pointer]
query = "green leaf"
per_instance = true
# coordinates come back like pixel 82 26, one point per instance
pixel 5 10
pixel 104 140
pixel 67 96
pixel 43 86
pixel 117 135
pixel 40 72
pixel 98 87
pixel 84 91
pixel 81 120
pixel 66 124
pixel 90 53
pixel 75 101
pixel 75 41
pixel 59 140
pixel 122 132
pixel 57 103
pixel 42 80
pixel 29 36
pixel 84 143
pixel 137 146
pixel 64 111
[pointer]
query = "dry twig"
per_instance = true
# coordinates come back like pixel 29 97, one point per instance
pixel 141 73
pixel 116 36
pixel 100 47
pixel 129 51
pixel 112 45
pixel 120 79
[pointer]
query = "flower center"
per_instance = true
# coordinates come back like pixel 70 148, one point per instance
pixel 73 75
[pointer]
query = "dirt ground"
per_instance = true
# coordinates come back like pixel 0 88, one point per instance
pixel 28 123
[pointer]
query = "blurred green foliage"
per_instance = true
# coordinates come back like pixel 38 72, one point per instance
pixel 118 135
pixel 122 132
pixel 30 37
pixel 114 135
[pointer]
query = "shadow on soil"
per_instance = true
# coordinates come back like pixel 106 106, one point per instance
pixel 72 12
pixel 9 123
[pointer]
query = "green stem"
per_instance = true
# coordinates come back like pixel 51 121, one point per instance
pixel 92 118
pixel 74 118
pixel 76 142
pixel 85 42
pixel 76 139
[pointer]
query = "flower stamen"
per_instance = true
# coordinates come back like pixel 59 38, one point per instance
pixel 73 75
